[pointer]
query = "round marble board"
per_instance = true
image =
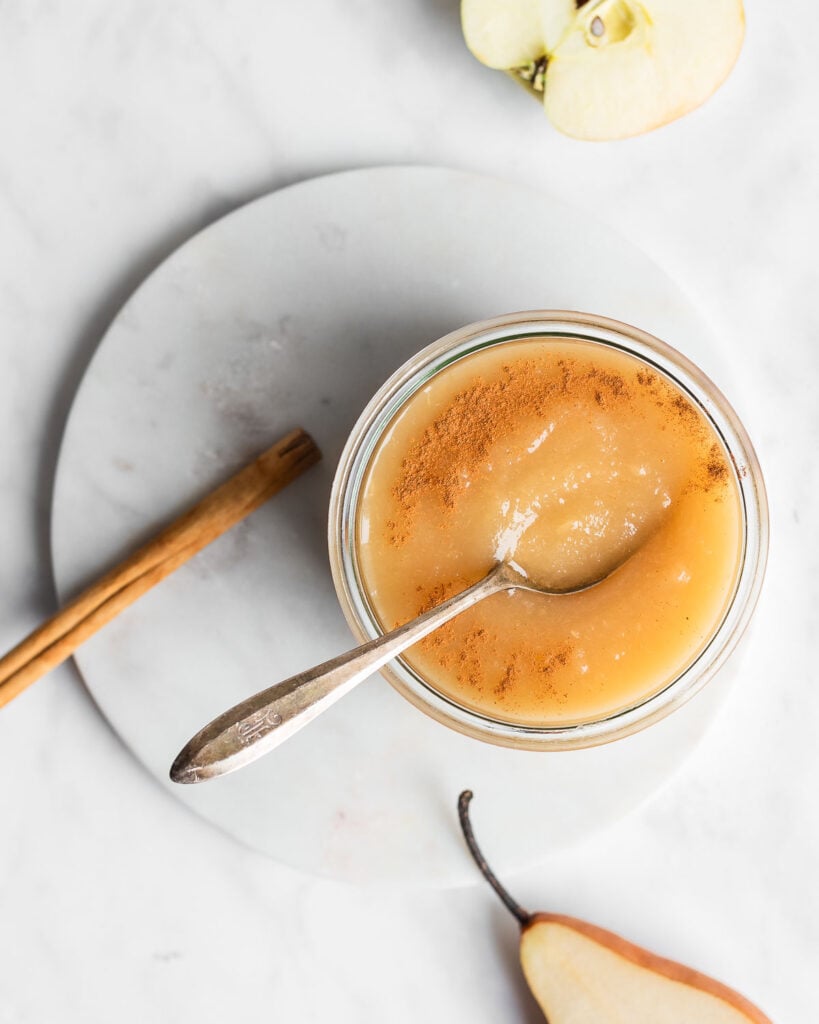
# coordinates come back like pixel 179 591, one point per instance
pixel 292 311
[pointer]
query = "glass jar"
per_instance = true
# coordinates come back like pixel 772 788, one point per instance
pixel 413 375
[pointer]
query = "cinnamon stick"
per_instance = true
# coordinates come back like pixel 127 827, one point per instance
pixel 58 638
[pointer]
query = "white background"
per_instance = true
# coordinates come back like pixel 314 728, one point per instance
pixel 126 127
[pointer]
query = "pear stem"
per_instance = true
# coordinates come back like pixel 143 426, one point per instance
pixel 511 904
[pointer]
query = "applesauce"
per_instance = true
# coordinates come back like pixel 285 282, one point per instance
pixel 565 457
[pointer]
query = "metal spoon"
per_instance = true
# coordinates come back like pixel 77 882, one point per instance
pixel 262 722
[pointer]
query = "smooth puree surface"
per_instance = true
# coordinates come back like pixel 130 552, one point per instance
pixel 563 456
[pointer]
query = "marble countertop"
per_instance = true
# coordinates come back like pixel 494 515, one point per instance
pixel 125 129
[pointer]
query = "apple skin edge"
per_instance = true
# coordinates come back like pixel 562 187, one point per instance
pixel 610 940
pixel 663 68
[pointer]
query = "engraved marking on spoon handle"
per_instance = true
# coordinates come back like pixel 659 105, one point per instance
pixel 260 723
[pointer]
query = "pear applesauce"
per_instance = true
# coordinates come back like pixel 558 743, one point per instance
pixel 564 457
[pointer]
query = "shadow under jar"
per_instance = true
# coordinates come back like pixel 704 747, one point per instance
pixel 564 443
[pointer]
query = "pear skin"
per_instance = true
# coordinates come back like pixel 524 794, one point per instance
pixel 579 973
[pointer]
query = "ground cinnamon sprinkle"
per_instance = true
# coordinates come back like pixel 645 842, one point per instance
pixel 467 652
pixel 542 665
pixel 556 456
pixel 716 467
pixel 455 447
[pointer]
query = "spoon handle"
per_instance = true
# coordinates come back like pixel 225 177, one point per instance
pixel 262 722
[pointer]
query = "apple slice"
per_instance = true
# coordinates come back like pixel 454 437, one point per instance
pixel 507 34
pixel 581 974
pixel 609 69
pixel 627 67
pixel 556 16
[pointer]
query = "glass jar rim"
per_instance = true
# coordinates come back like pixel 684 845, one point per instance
pixel 544 324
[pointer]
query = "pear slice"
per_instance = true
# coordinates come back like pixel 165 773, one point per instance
pixel 514 33
pixel 581 974
pixel 625 67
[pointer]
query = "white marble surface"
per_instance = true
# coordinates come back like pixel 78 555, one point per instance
pixel 227 345
pixel 126 127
